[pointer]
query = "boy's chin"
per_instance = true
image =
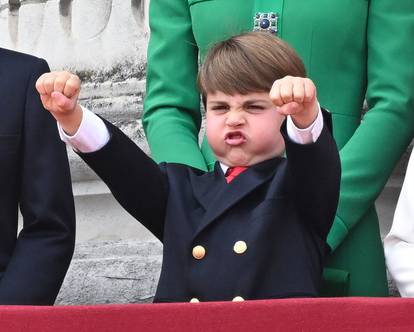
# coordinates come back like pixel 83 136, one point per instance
pixel 233 161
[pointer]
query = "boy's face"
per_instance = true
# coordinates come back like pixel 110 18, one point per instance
pixel 243 130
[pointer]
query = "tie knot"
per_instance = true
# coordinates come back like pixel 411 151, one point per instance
pixel 232 172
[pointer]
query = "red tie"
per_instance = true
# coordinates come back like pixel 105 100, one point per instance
pixel 232 172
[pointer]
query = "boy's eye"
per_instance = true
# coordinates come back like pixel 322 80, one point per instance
pixel 255 108
pixel 219 108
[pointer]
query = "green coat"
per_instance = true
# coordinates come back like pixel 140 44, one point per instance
pixel 352 49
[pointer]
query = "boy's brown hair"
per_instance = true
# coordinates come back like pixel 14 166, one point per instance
pixel 247 63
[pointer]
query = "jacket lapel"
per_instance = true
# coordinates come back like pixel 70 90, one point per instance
pixel 216 196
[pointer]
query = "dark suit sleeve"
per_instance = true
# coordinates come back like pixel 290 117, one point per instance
pixel 45 245
pixel 315 173
pixel 134 179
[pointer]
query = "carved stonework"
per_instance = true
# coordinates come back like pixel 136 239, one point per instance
pixel 103 41
pixel 75 33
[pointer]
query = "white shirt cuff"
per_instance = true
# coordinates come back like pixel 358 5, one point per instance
pixel 307 135
pixel 399 243
pixel 91 136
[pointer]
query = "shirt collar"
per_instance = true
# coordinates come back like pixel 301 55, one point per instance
pixel 224 168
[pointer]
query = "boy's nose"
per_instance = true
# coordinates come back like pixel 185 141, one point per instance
pixel 234 118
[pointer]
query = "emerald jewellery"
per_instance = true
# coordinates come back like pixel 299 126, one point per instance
pixel 265 22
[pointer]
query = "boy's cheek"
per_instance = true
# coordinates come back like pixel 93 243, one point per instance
pixel 280 118
pixel 281 148
pixel 211 131
pixel 214 125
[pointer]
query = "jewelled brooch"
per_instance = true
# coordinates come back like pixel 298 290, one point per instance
pixel 265 22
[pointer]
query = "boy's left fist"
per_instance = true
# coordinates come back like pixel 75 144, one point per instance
pixel 296 96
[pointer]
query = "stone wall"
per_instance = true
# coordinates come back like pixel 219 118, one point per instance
pixel 104 42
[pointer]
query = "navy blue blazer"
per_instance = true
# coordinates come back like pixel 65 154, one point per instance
pixel 279 210
pixel 34 175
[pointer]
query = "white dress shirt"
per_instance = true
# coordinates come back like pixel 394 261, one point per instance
pixel 92 133
pixel 399 243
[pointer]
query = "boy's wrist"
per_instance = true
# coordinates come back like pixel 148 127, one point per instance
pixel 70 122
pixel 305 119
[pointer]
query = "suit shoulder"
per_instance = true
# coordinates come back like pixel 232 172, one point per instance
pixel 17 62
pixel 177 167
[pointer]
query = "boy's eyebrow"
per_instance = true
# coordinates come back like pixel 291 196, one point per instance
pixel 246 103
pixel 217 102
pixel 254 101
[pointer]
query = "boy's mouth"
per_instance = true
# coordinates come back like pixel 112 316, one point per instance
pixel 235 138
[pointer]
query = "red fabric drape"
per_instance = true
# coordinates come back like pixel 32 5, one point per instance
pixel 333 314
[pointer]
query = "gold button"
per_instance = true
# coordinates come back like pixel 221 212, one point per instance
pixel 199 252
pixel 194 300
pixel 238 299
pixel 240 247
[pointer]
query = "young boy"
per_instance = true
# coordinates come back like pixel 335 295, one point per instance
pixel 255 236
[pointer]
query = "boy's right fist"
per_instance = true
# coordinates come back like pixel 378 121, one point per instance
pixel 59 92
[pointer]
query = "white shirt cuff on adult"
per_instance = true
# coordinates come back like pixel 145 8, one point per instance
pixel 398 254
pixel 399 243
pixel 91 136
pixel 307 135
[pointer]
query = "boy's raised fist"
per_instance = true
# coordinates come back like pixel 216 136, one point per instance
pixel 296 96
pixel 59 92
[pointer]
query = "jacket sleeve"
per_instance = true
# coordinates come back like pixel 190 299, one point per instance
pixel 399 243
pixel 45 245
pixel 172 115
pixel 315 172
pixel 374 149
pixel 135 180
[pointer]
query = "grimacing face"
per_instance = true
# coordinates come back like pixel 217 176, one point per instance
pixel 243 130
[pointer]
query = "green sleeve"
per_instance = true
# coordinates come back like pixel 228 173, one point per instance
pixel 172 115
pixel 376 146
